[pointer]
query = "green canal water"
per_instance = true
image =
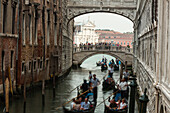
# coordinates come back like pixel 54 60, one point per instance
pixel 63 87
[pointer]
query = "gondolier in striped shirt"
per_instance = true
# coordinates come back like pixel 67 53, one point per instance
pixel 95 82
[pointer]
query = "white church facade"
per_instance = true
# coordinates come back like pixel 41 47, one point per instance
pixel 85 33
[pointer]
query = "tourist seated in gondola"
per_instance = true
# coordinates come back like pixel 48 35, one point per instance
pixel 85 105
pixel 75 105
pixel 72 103
pixel 90 96
pixel 110 80
pixel 113 105
pixel 123 105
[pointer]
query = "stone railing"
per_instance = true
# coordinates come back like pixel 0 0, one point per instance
pixel 101 48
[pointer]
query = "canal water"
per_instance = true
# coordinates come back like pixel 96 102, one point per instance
pixel 63 88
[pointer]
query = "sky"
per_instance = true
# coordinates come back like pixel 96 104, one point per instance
pixel 107 21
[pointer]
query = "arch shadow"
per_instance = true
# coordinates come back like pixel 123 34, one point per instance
pixel 107 53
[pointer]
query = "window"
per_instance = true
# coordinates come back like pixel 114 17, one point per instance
pixel 114 36
pixel 109 36
pixel 3 60
pixel 38 64
pixel 54 1
pixel 13 20
pixel 48 28
pixel 41 64
pixel 12 55
pixel 128 43
pixel 55 29
pixel 117 42
pixel 104 37
pixel 34 65
pixel 27 2
pixel 4 18
pixel 30 29
pixel 36 27
pixel 23 29
pixel 23 67
pixel 124 43
pixel 60 32
pixel 29 66
pixel 121 43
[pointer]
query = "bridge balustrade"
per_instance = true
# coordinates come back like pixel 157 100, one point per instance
pixel 101 48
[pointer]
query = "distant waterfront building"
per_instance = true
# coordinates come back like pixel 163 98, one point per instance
pixel 85 33
pixel 110 36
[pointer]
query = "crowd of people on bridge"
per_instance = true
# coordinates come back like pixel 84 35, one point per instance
pixel 89 46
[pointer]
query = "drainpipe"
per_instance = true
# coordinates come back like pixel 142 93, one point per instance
pixel 43 82
pixel 18 32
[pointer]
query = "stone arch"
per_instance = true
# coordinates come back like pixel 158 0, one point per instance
pixel 107 53
pixel 121 13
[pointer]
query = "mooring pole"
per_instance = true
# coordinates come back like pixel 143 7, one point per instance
pixel 133 86
pixel 7 95
pixel 121 71
pixel 54 81
pixel 143 102
pixel 25 81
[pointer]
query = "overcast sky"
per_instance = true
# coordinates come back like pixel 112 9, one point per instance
pixel 108 21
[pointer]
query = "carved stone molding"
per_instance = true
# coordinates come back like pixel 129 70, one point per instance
pixel 5 2
pixel 13 3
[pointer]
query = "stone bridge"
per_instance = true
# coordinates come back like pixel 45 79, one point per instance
pixel 126 8
pixel 84 52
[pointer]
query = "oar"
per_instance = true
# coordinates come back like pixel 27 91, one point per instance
pixel 75 88
pixel 107 98
pixel 82 83
pixel 74 97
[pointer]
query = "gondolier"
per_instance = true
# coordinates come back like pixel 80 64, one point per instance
pixel 95 83
pixel 111 71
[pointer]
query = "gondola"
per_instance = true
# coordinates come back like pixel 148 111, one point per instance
pixel 107 110
pixel 98 64
pixel 71 111
pixel 103 67
pixel 107 86
pixel 116 68
pixel 91 110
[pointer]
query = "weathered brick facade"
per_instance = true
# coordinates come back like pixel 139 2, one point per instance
pixel 39 19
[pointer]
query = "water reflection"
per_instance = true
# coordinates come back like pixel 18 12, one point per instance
pixel 34 102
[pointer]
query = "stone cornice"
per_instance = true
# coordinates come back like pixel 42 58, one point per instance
pixel 3 35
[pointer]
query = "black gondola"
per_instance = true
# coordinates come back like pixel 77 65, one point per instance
pixel 103 67
pixel 98 64
pixel 91 110
pixel 71 111
pixel 107 110
pixel 116 68
pixel 107 86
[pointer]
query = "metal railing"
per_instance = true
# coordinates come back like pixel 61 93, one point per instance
pixel 101 48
